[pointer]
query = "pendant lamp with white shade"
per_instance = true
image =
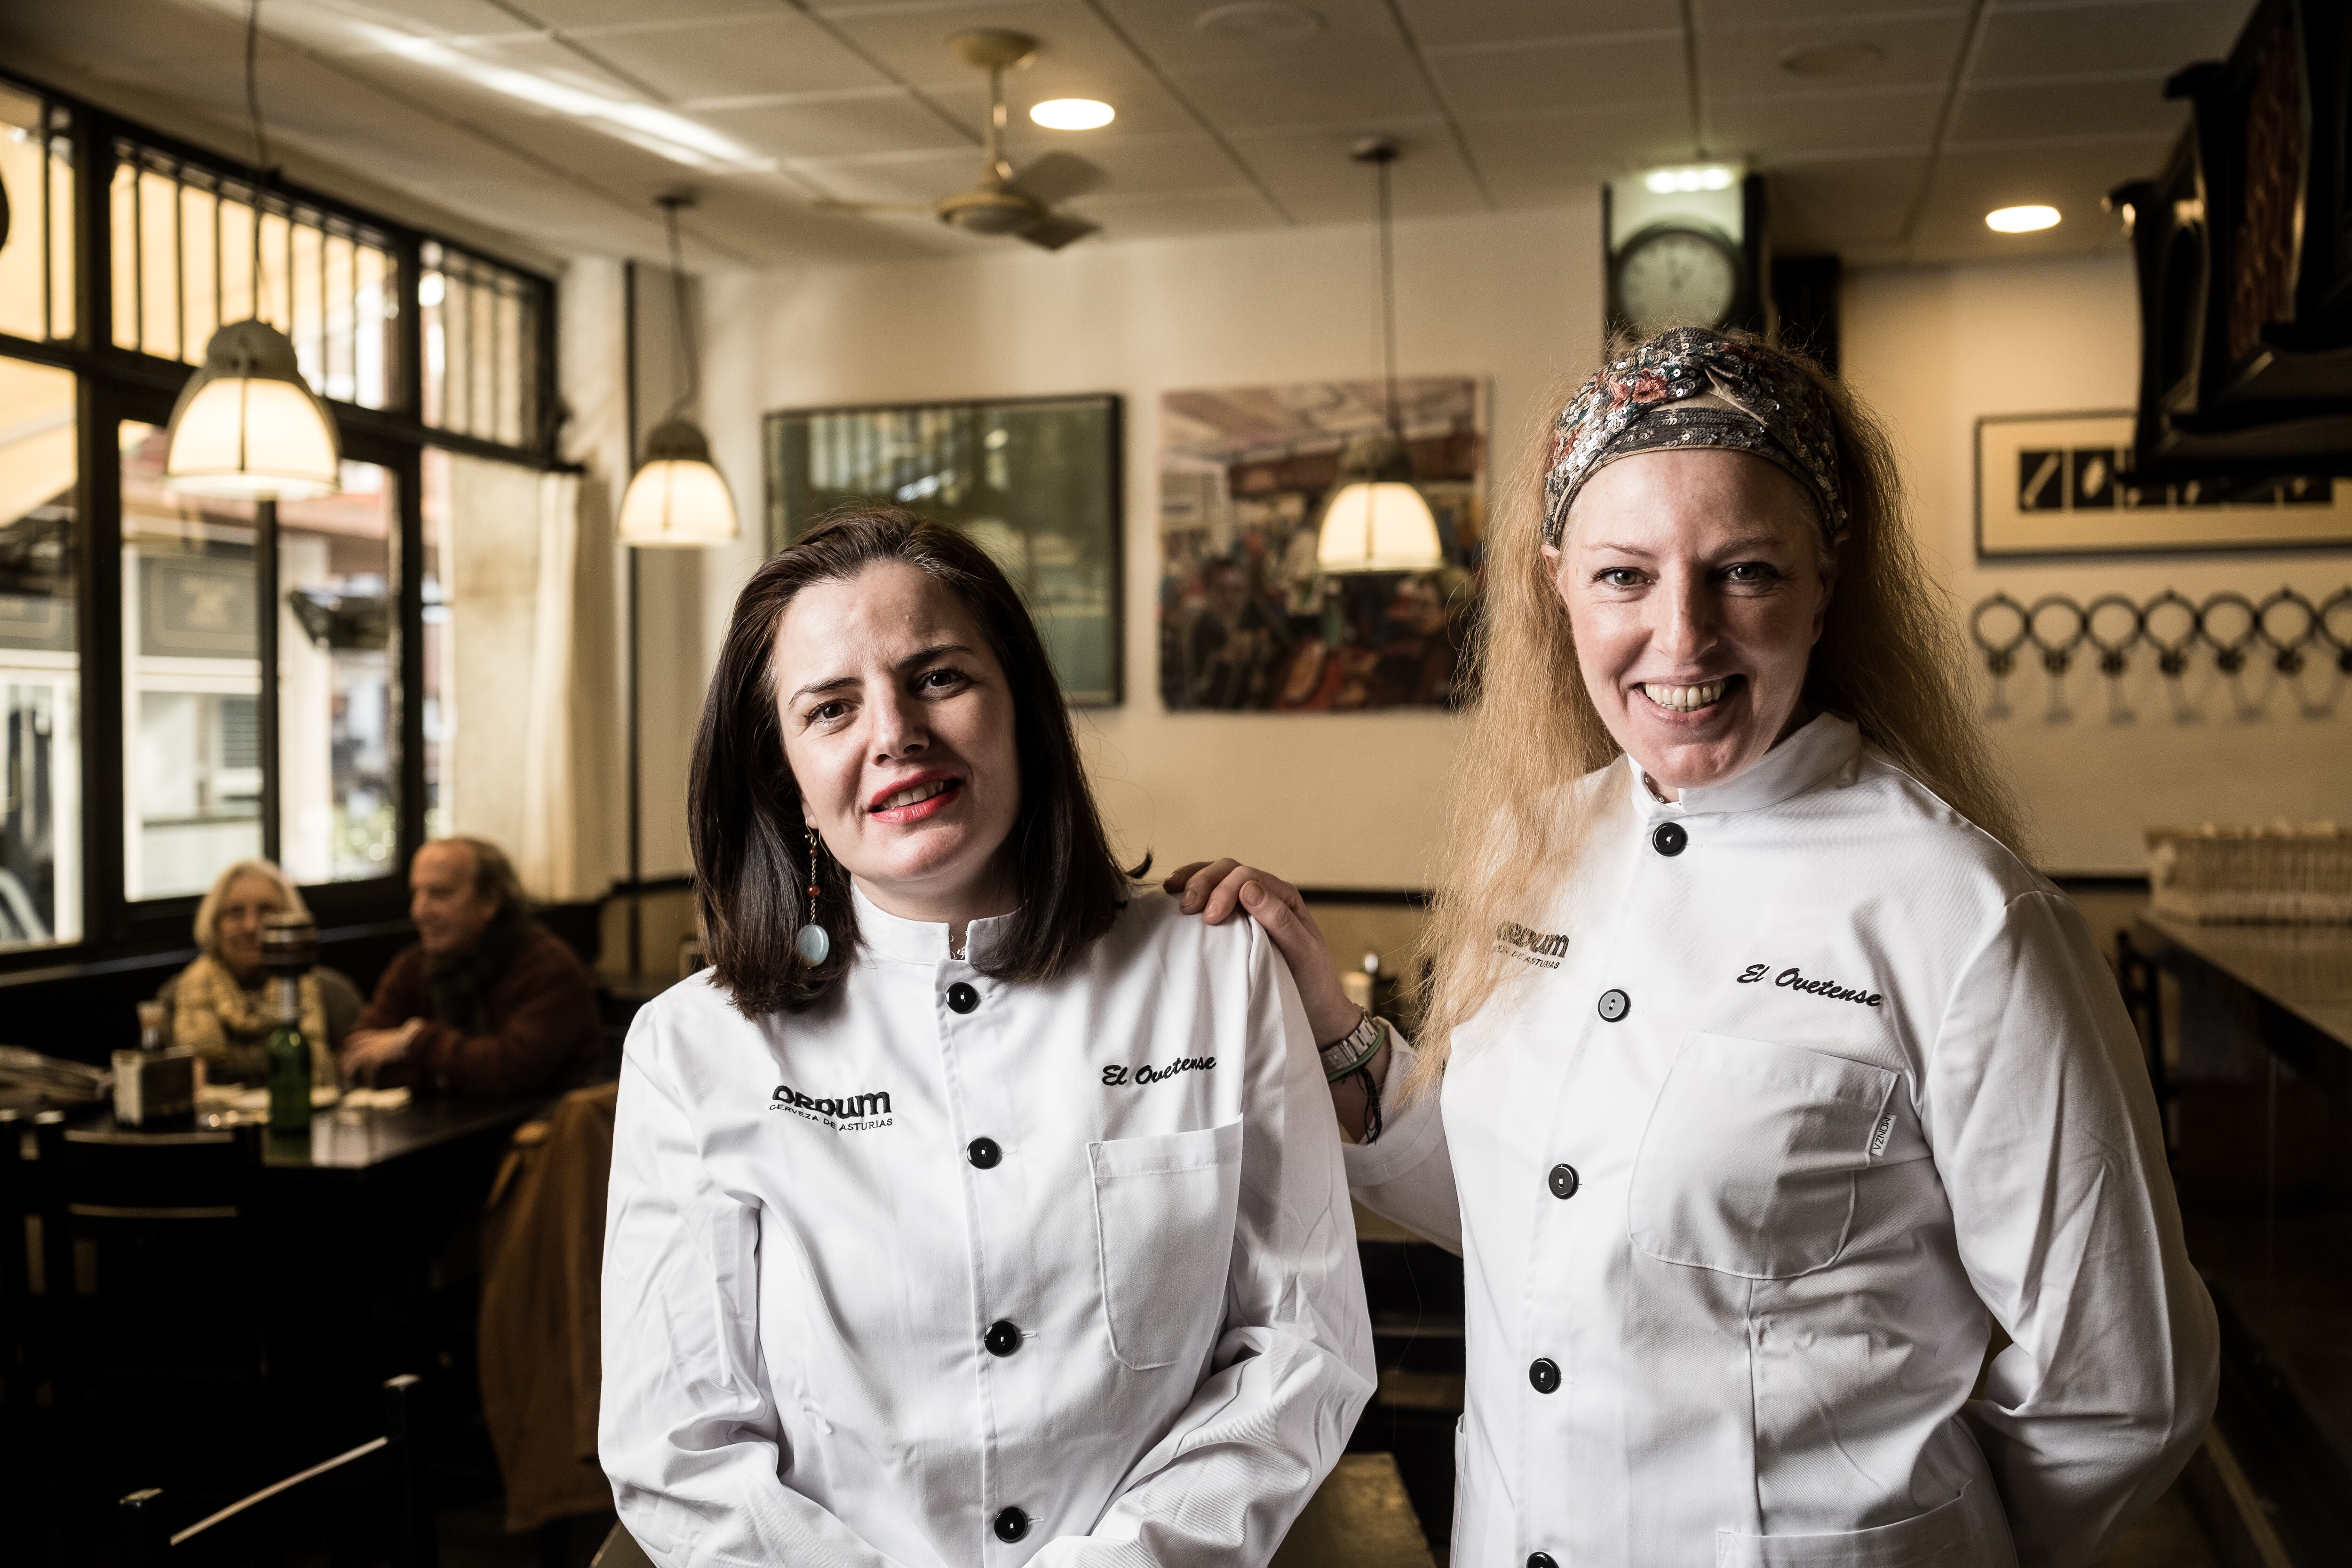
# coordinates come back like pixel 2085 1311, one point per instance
pixel 678 499
pixel 247 425
pixel 1376 521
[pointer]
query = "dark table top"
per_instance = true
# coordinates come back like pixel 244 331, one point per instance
pixel 2305 969
pixel 356 1142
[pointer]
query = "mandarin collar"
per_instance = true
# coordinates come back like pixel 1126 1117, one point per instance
pixel 1827 748
pixel 921 941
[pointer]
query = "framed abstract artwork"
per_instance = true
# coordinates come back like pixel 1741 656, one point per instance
pixel 2058 484
pixel 1035 480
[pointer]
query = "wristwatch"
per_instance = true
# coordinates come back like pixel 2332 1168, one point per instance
pixel 1354 1051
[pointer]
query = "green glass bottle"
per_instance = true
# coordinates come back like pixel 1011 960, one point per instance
pixel 290 1061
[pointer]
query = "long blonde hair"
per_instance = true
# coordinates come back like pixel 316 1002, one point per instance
pixel 1889 659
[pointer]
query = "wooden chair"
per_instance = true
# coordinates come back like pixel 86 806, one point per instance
pixel 20 1415
pixel 16 1280
pixel 154 1297
pixel 148 1264
pixel 366 1506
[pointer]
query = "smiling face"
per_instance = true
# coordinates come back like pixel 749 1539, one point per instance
pixel 444 900
pixel 899 729
pixel 1695 592
pixel 237 924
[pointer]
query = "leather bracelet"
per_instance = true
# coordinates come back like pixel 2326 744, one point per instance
pixel 1354 1051
pixel 1372 1107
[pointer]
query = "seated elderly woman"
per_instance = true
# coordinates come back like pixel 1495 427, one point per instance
pixel 220 1003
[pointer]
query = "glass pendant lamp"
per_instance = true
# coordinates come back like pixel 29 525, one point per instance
pixel 678 498
pixel 247 425
pixel 1376 521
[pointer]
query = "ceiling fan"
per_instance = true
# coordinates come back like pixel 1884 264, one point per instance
pixel 1003 203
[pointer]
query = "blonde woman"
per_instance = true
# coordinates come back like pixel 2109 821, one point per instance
pixel 220 1003
pixel 1768 1080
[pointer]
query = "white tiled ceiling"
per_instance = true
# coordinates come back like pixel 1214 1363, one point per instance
pixel 558 121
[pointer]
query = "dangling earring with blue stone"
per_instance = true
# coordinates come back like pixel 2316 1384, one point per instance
pixel 813 943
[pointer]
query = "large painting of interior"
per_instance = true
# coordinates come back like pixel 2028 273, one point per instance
pixel 1035 481
pixel 1248 618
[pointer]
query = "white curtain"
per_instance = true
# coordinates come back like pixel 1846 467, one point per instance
pixel 562 853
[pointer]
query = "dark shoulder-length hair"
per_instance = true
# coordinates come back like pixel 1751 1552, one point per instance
pixel 749 836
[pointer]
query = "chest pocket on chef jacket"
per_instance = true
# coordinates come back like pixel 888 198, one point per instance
pixel 1164 1226
pixel 1747 1165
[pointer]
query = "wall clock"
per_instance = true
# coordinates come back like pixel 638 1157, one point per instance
pixel 1674 275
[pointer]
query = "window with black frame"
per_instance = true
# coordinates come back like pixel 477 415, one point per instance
pixel 133 760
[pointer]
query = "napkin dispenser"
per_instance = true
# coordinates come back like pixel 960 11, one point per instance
pixel 152 1089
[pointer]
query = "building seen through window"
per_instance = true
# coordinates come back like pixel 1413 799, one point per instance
pixel 40 669
pixel 193 776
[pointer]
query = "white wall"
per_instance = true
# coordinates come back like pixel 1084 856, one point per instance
pixel 1330 800
pixel 1934 348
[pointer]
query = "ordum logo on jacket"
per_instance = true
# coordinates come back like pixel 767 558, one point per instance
pixel 843 1113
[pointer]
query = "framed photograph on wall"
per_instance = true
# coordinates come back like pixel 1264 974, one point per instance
pixel 1248 620
pixel 1035 480
pixel 2048 485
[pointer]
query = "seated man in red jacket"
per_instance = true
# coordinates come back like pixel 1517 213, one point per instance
pixel 486 1001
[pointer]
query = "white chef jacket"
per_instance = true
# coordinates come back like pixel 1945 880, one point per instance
pixel 1805 1083
pixel 955 1271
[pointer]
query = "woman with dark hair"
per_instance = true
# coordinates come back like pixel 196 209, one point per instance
pixel 1761 1079
pixel 971 1207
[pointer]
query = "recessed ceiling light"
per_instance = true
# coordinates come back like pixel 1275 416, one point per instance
pixel 1258 22
pixel 2021 220
pixel 1850 58
pixel 1073 114
pixel 1699 177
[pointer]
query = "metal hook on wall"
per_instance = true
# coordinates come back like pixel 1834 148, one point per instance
pixel 2115 653
pixel 2229 623
pixel 2057 651
pixel 2000 656
pixel 2230 652
pixel 2171 653
pixel 2323 626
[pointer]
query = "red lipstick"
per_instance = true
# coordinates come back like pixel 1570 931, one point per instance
pixel 950 791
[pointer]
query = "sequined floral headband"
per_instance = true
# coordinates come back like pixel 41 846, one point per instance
pixel 1692 387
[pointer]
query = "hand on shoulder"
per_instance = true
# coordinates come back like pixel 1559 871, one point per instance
pixel 1217 889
